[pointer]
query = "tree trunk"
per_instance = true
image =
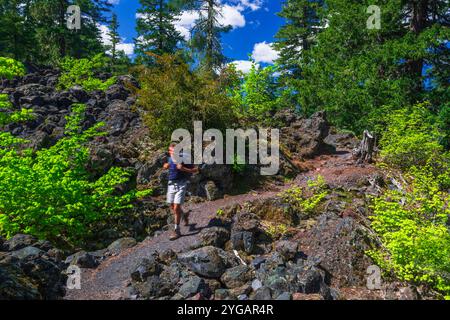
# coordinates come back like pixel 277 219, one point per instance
pixel 364 152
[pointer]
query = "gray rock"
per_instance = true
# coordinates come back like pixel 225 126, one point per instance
pixel 243 240
pixel 237 276
pixel 19 241
pixel 287 249
pixel 256 284
pixel 262 293
pixel 284 296
pixel 193 286
pixel 146 268
pixel 83 260
pixel 121 244
pixel 214 236
pixel 208 261
pixel 27 252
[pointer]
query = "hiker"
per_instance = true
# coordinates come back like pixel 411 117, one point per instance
pixel 179 174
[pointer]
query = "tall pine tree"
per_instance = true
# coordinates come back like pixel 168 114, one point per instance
pixel 359 74
pixel 156 30
pixel 298 34
pixel 114 37
pixel 206 35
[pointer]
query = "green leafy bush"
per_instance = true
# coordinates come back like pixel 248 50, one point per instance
pixel 51 195
pixel 412 227
pixel 173 96
pixel 82 72
pixel 306 200
pixel 255 94
pixel 411 138
pixel 10 68
pixel 6 116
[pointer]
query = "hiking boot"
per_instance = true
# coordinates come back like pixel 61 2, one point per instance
pixel 176 234
pixel 186 218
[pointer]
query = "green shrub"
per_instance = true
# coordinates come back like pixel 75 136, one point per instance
pixel 306 200
pixel 411 138
pixel 173 97
pixel 255 94
pixel 81 72
pixel 6 116
pixel 412 227
pixel 10 68
pixel 51 195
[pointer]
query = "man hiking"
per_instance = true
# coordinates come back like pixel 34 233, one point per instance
pixel 179 174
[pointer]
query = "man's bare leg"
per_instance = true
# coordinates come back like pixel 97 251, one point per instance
pixel 177 215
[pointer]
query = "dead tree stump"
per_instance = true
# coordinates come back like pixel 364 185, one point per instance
pixel 364 152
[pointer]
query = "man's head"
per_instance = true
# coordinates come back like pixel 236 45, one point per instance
pixel 171 148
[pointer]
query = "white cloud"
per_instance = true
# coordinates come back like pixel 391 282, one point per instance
pixel 113 2
pixel 185 22
pixel 128 48
pixel 263 52
pixel 244 65
pixel 250 4
pixel 232 16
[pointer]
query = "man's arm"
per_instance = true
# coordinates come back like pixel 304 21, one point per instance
pixel 183 168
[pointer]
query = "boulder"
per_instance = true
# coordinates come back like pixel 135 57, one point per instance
pixel 237 276
pixel 263 293
pixel 27 252
pixel 82 259
pixel 338 245
pixel 146 268
pixel 287 249
pixel 210 262
pixel 214 236
pixel 305 137
pixel 19 241
pixel 194 286
pixel 121 244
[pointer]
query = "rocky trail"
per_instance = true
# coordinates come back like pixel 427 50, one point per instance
pixel 111 279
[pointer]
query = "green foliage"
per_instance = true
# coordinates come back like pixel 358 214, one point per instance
pixel 81 72
pixel 411 137
pixel 51 194
pixel 255 94
pixel 7 116
pixel 174 97
pixel 10 68
pixel 412 227
pixel 156 32
pixel 354 72
pixel 305 200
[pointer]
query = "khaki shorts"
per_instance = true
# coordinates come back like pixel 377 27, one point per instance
pixel 176 192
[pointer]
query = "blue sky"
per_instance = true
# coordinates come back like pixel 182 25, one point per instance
pixel 254 22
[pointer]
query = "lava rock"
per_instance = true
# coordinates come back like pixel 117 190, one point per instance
pixel 193 286
pixel 121 244
pixel 208 261
pixel 19 241
pixel 214 236
pixel 82 259
pixel 146 268
pixel 237 276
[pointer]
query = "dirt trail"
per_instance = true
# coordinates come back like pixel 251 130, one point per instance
pixel 110 279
